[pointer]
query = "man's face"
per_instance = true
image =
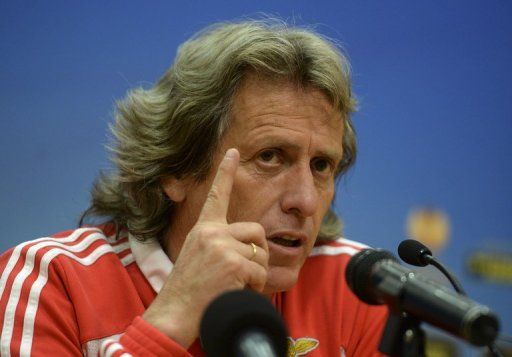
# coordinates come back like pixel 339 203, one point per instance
pixel 290 143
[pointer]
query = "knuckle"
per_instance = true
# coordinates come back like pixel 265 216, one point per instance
pixel 261 272
pixel 259 230
pixel 209 238
pixel 255 229
pixel 219 248
pixel 213 194
pixel 259 279
pixel 209 231
pixel 213 245
pixel 234 262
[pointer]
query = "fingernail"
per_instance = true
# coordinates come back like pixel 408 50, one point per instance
pixel 231 153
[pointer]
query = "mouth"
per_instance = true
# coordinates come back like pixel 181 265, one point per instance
pixel 286 241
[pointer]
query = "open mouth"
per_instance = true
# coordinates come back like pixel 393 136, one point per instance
pixel 286 241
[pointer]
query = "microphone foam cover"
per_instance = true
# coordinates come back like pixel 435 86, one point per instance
pixel 358 273
pixel 236 312
pixel 413 252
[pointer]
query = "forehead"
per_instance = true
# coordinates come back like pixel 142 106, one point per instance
pixel 266 106
pixel 258 95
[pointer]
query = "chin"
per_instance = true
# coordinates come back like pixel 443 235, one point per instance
pixel 281 279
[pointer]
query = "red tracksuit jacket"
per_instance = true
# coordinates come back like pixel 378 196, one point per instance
pixel 82 292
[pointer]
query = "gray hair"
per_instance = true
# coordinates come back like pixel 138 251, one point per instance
pixel 157 130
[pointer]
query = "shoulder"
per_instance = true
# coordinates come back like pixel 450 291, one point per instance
pixel 324 299
pixel 68 281
pixel 333 255
pixel 329 260
pixel 341 247
pixel 68 250
pixel 76 244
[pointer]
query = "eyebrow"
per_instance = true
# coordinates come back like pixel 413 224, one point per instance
pixel 283 143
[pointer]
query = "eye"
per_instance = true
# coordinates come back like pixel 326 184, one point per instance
pixel 269 156
pixel 322 165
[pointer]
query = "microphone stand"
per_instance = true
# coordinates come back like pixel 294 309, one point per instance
pixel 402 336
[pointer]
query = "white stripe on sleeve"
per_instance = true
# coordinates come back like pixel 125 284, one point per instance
pixel 330 250
pixel 8 326
pixel 352 242
pixel 42 279
pixel 15 256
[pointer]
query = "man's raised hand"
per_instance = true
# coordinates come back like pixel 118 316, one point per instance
pixel 216 256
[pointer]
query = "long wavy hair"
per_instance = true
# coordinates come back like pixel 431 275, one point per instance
pixel 175 127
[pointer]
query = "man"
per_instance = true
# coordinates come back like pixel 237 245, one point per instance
pixel 225 174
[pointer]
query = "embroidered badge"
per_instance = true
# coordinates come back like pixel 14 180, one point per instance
pixel 301 346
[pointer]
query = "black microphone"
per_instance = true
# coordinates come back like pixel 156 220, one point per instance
pixel 416 253
pixel 243 323
pixel 376 277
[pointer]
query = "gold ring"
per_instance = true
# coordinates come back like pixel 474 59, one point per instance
pixel 253 251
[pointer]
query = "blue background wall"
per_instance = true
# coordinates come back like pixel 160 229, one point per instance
pixel 434 81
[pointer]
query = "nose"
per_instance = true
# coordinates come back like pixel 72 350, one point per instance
pixel 301 196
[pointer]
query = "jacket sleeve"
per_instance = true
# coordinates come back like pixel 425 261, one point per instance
pixel 38 316
pixel 142 339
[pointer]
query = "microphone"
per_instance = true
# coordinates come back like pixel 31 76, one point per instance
pixel 415 253
pixel 243 323
pixel 376 277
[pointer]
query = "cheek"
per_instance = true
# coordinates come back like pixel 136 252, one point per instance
pixel 326 198
pixel 196 197
pixel 251 198
pixel 329 196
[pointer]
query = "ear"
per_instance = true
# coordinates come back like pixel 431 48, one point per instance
pixel 174 188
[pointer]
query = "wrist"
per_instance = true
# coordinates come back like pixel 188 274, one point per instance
pixel 174 324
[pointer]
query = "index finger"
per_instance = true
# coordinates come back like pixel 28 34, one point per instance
pixel 216 206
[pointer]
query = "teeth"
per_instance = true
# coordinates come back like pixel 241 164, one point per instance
pixel 286 241
pixel 288 238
